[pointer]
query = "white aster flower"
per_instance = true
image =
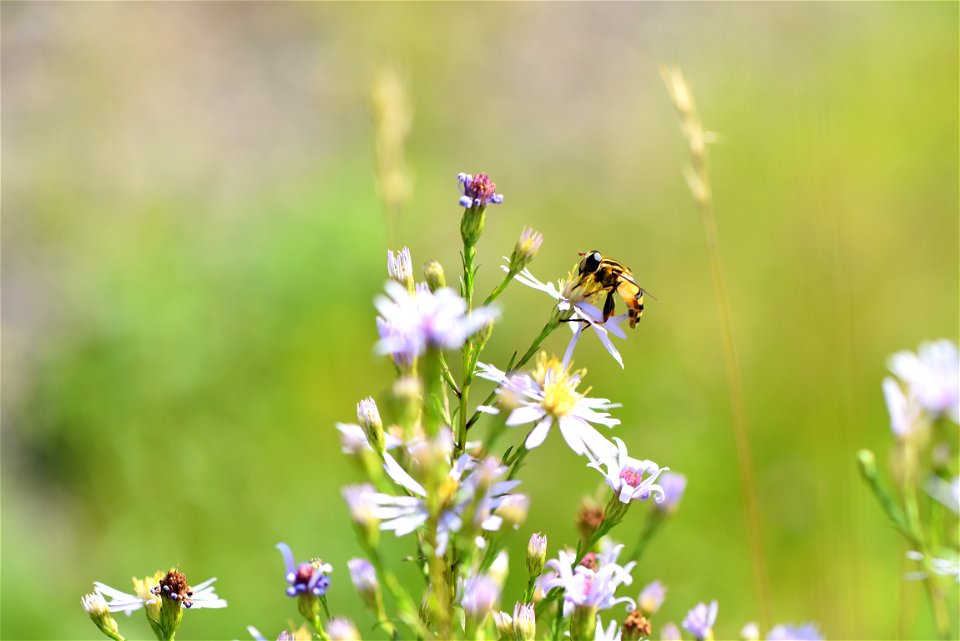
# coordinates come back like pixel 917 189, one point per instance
pixel 631 479
pixel 550 393
pixel 404 514
pixel 573 300
pixel 200 596
pixel 590 586
pixel 932 376
pixel 353 439
pixel 612 633
pixel 410 322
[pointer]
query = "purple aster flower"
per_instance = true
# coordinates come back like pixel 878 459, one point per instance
pixel 594 586
pixel 480 595
pixel 932 376
pixel 409 323
pixel 905 411
pixel 805 632
pixel 651 598
pixel 478 191
pixel 700 620
pixel 400 267
pixel 631 479
pixel 339 629
pixel 550 394
pixel 306 578
pixel 673 485
pixel 404 514
pixel 363 575
pixel 670 632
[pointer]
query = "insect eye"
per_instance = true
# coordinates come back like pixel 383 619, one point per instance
pixel 592 262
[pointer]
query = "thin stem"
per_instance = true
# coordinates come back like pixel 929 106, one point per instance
pixel 652 525
pixel 491 399
pixel 698 179
pixel 495 294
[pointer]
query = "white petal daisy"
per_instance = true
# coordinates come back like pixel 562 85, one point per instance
pixel 550 395
pixel 574 300
pixel 631 479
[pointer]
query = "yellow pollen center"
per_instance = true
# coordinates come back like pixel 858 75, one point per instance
pixel 559 386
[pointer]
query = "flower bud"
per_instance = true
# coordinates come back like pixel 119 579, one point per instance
pixel 342 630
pixel 589 519
pixel 635 627
pixel 480 595
pixel 536 553
pixel 526 249
pixel 504 623
pixel 868 464
pixel 369 418
pixel 524 622
pixel 673 485
pixel 651 598
pixel 513 509
pixel 434 275
pixel 400 267
pixel 361 512
pixel 364 578
pixel 96 607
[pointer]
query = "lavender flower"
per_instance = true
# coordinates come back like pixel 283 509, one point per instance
pixel 342 630
pixel 306 578
pixel 536 553
pixel 651 598
pixel 400 267
pixel 673 484
pixel 631 479
pixel 932 376
pixel 670 632
pixel 905 411
pixel 575 304
pixel 409 323
pixel 524 621
pixel 364 577
pixel 480 595
pixel 404 514
pixel 478 191
pixel 700 620
pixel 787 632
pixel 592 587
pixel 549 394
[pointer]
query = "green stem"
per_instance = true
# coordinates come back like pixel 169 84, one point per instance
pixel 495 294
pixel 491 399
pixel 653 523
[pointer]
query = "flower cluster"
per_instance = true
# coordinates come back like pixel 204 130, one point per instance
pixel 923 402
pixel 454 502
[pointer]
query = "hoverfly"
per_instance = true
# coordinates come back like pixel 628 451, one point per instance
pixel 612 277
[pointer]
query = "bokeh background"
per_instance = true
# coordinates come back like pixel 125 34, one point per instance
pixel 192 240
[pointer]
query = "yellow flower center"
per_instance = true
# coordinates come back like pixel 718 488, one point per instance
pixel 559 386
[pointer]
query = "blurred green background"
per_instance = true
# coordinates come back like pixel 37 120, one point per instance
pixel 192 240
